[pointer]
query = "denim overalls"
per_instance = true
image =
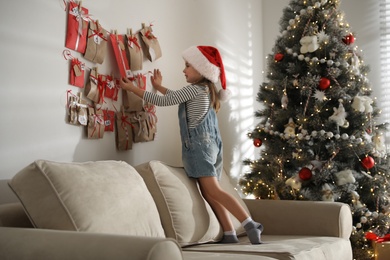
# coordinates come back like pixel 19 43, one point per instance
pixel 201 146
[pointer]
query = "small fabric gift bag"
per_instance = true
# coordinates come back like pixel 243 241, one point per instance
pixel 95 129
pixel 111 88
pixel 151 46
pixel 77 109
pixel 118 45
pixel 134 51
pixel 77 72
pixel 131 101
pixel 97 43
pixel 124 131
pixel 151 119
pixel 77 27
pixel 94 89
pixel 109 120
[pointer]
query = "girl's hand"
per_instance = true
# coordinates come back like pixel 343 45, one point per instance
pixel 156 79
pixel 126 84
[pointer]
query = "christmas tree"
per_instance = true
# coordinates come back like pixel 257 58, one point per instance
pixel 319 133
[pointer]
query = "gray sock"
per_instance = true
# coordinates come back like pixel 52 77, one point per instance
pixel 253 231
pixel 229 239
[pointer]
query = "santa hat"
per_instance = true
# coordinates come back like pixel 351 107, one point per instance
pixel 208 62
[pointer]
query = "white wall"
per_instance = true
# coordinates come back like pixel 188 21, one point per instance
pixel 34 74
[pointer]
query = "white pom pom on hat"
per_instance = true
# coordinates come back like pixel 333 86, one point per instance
pixel 208 62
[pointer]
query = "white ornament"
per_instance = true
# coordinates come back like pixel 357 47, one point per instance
pixel 289 130
pixel 355 64
pixel 284 100
pixel 327 192
pixel 294 182
pixel 362 104
pixel 339 115
pixel 320 95
pixel 309 44
pixel 329 134
pixel 344 177
pixel 379 144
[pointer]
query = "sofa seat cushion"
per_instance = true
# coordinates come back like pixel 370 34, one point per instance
pixel 102 197
pixel 285 248
pixel 191 255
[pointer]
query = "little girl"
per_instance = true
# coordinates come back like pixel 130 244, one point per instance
pixel 201 140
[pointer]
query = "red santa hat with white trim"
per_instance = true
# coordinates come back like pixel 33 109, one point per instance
pixel 208 62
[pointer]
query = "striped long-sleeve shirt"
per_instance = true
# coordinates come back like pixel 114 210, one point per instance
pixel 196 98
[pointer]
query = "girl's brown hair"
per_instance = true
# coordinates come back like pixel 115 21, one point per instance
pixel 215 103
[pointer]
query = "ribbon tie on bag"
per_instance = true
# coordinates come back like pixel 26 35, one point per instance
pixel 101 84
pixel 99 34
pixel 78 63
pixel 79 15
pixel 149 35
pixel 151 113
pixel 141 129
pixel 98 120
pixel 125 122
pixel 133 40
pixel 94 79
pixel 373 237
pixel 69 96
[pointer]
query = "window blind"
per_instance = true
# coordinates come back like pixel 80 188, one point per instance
pixel 384 15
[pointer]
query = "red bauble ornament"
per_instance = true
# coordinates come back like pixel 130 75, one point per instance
pixel 368 162
pixel 278 56
pixel 324 83
pixel 305 174
pixel 257 142
pixel 349 39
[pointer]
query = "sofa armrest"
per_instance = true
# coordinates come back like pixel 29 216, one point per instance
pixel 307 218
pixel 43 244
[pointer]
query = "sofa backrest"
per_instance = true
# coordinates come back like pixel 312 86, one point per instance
pixel 6 194
pixel 100 197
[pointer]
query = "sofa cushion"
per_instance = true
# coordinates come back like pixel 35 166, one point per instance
pixel 185 215
pixel 102 197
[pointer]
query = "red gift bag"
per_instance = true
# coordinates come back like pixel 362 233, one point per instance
pixel 109 120
pixel 111 88
pixel 77 27
pixel 77 69
pixel 120 55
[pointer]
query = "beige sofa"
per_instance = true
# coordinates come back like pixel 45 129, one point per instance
pixel 111 210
